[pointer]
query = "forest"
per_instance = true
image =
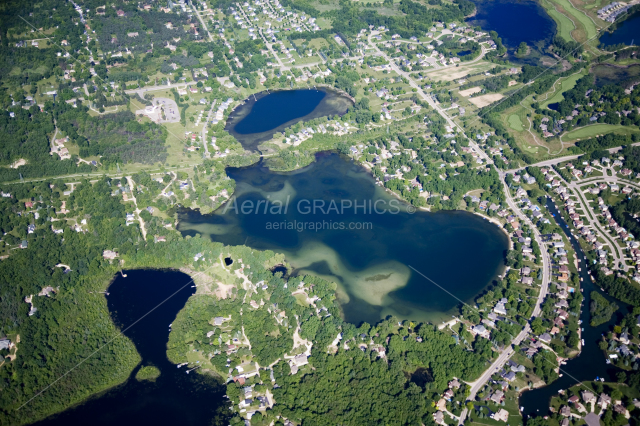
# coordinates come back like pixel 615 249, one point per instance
pixel 117 137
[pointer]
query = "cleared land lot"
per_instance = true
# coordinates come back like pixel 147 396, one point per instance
pixel 454 73
pixel 470 91
pixel 484 100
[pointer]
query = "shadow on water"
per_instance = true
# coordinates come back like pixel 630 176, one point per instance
pixel 590 363
pixel 264 114
pixel 175 397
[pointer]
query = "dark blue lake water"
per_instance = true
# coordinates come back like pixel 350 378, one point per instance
pixel 515 22
pixel 263 115
pixel 175 398
pixel 628 32
pixel 368 254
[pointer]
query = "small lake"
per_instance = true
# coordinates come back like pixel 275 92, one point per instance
pixel 590 364
pixel 370 257
pixel 175 397
pixel 612 74
pixel 515 22
pixel 265 114
pixel 627 32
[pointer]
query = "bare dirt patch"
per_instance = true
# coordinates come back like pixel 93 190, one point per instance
pixel 469 92
pixel 484 100
pixel 513 83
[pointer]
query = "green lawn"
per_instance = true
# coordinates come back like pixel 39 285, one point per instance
pixel 565 25
pixel 565 85
pixel 597 129
pixel 515 123
pixel 590 27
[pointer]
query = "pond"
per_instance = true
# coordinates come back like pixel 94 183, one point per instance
pixel 627 32
pixel 612 74
pixel 515 22
pixel 554 106
pixel 368 250
pixel 590 364
pixel 264 114
pixel 175 397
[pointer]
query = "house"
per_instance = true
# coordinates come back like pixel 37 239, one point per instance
pixel 574 399
pixel 588 397
pixel 515 367
pixel 500 307
pixel 527 280
pixel 218 320
pixel 497 396
pixel 565 411
pixel 510 376
pixel 109 254
pixel 604 401
pixel 546 338
pixel 624 338
pixel 454 384
pixel 438 418
pixel 501 416
pixel 479 330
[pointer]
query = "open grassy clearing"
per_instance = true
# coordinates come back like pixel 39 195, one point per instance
pixel 579 17
pixel 596 130
pixel 454 73
pixel 533 144
pixel 470 91
pixel 560 87
pixel 565 25
pixel 515 123
pixel 484 100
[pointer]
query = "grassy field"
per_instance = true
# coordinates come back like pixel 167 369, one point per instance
pixel 515 123
pixel 454 73
pixel 561 87
pixel 597 129
pixel 585 28
pixel 565 25
pixel 535 146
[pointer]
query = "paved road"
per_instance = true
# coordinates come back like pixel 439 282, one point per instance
pixel 137 211
pixel 558 160
pixel 428 98
pixel 544 289
pixel 204 129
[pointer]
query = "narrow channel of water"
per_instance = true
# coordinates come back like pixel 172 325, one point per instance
pixel 590 363
pixel 174 398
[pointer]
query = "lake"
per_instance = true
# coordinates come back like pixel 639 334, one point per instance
pixel 627 32
pixel 591 361
pixel 515 22
pixel 265 114
pixel 175 397
pixel 368 252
